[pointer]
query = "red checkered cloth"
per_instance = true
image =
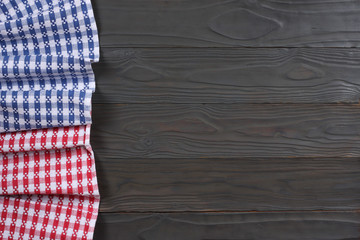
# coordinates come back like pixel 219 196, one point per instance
pixel 45 139
pixel 48 184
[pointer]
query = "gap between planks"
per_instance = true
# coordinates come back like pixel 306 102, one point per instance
pixel 231 211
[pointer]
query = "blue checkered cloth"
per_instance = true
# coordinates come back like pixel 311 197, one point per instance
pixel 46 51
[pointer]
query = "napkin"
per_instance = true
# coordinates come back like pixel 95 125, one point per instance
pixel 48 185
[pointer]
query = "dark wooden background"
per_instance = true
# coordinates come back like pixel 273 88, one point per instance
pixel 228 119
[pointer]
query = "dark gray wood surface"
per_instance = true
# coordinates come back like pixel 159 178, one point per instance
pixel 226 130
pixel 217 119
pixel 175 185
pixel 230 226
pixel 240 75
pixel 211 23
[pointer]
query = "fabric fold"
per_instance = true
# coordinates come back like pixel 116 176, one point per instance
pixel 45 72
pixel 65 28
pixel 22 110
pixel 45 139
pixel 48 161
pixel 48 217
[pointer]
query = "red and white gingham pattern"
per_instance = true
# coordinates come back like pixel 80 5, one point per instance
pixel 45 139
pixel 61 171
pixel 48 183
pixel 47 217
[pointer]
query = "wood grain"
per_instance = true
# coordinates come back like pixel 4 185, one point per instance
pixel 214 23
pixel 236 75
pixel 190 121
pixel 231 226
pixel 228 184
pixel 226 130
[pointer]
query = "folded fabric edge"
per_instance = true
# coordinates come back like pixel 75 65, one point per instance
pixel 52 217
pixel 45 109
pixel 45 139
pixel 69 169
pixel 84 7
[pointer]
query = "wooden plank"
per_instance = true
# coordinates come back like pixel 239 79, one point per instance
pixel 226 130
pixel 236 75
pixel 213 23
pixel 229 226
pixel 228 184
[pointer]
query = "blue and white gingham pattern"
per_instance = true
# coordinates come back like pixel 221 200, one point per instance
pixel 46 50
pixel 41 72
pixel 10 9
pixel 41 109
pixel 65 27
